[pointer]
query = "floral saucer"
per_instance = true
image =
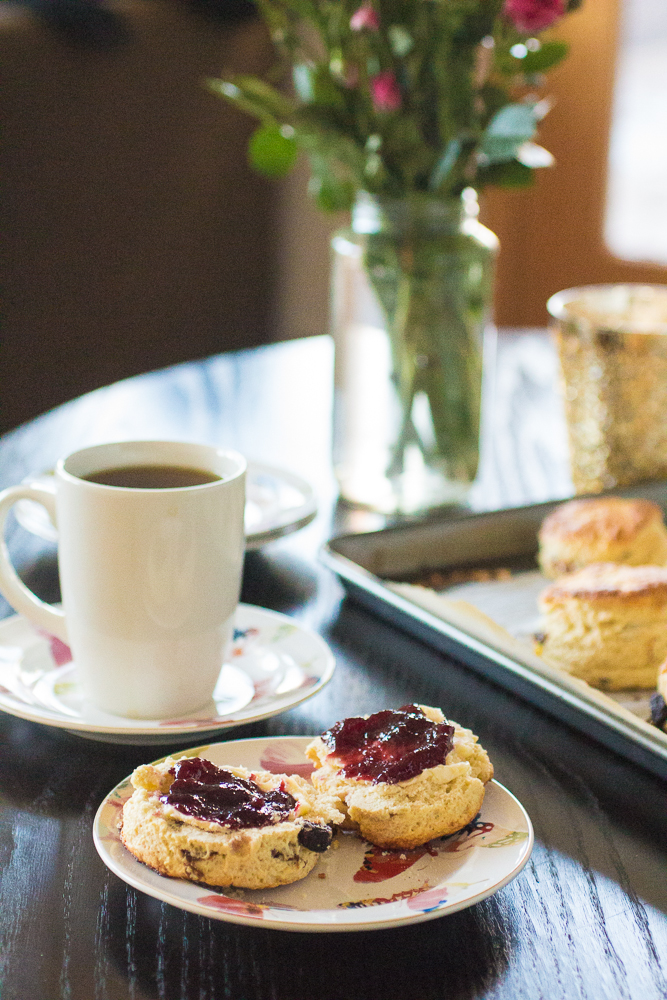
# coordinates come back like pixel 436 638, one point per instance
pixel 354 886
pixel 274 663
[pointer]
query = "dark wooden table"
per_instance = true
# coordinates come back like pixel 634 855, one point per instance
pixel 585 919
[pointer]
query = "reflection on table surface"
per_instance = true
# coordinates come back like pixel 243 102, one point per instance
pixel 586 917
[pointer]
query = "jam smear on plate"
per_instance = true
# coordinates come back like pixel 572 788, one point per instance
pixel 389 746
pixel 207 792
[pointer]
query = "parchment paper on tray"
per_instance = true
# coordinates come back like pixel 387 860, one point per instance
pixel 503 613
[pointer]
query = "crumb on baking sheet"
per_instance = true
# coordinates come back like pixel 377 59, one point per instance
pixel 440 579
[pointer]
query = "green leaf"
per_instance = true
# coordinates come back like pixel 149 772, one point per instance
pixel 550 54
pixel 320 132
pixel 513 121
pixel 259 102
pixel 271 152
pixel 532 63
pixel 498 149
pixel 445 164
pixel 331 194
pixel 271 98
pixel 314 85
pixel 510 174
pixel 508 129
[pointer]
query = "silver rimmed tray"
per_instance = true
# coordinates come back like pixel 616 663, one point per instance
pixel 468 623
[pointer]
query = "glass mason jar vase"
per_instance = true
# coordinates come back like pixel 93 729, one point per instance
pixel 412 286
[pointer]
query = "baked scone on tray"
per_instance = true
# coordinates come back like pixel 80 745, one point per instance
pixel 602 529
pixel 227 826
pixel 402 777
pixel 607 624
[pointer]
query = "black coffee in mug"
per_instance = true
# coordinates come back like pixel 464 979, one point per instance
pixel 152 477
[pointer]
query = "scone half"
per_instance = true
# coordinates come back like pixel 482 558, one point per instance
pixel 284 826
pixel 437 801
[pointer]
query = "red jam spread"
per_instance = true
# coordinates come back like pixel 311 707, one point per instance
pixel 207 792
pixel 389 746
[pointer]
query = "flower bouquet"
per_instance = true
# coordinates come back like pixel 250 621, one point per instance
pixel 405 109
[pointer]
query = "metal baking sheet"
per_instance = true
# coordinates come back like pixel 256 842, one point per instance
pixel 468 621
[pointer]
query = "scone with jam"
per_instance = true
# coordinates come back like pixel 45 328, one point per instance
pixel 189 819
pixel 402 777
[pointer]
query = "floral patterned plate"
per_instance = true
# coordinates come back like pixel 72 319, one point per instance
pixel 354 886
pixel 273 664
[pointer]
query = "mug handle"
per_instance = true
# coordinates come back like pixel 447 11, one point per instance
pixel 13 589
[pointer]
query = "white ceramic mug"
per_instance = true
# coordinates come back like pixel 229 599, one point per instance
pixel 150 577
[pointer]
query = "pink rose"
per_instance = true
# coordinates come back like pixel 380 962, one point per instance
pixel 366 18
pixel 385 92
pixel 533 15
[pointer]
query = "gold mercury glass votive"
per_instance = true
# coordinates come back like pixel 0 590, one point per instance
pixel 612 345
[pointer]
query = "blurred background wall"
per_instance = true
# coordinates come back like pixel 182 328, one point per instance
pixel 134 233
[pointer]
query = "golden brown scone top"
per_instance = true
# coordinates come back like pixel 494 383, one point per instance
pixel 608 580
pixel 612 518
